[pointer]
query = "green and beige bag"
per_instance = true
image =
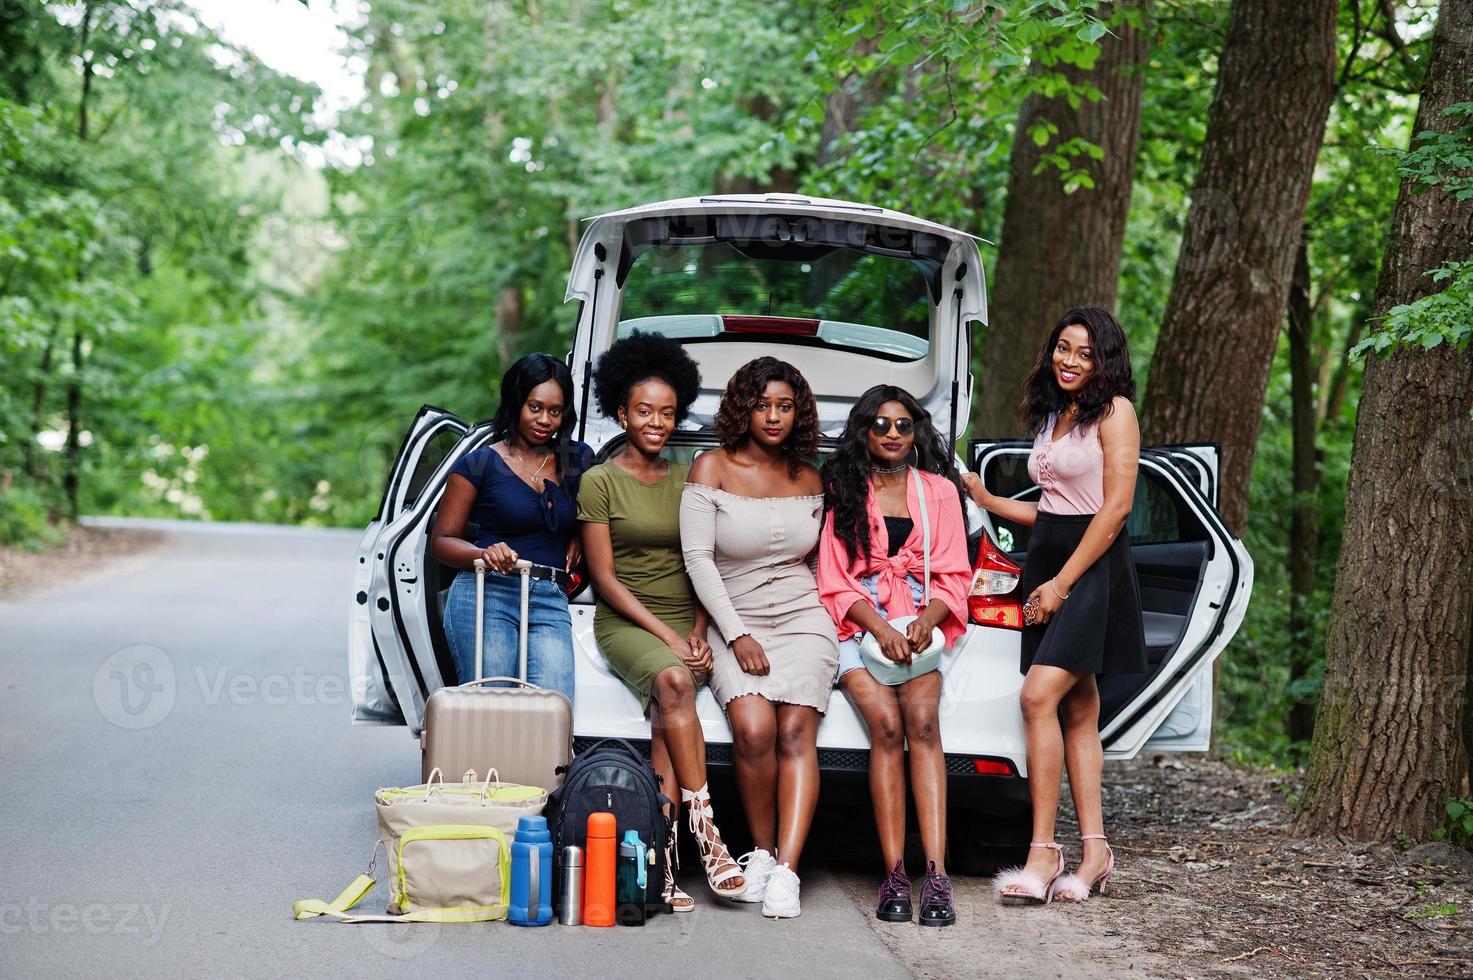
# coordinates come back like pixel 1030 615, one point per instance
pixel 449 851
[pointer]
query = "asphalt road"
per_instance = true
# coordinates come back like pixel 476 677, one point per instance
pixel 181 767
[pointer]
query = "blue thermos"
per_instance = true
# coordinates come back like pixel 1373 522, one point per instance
pixel 531 874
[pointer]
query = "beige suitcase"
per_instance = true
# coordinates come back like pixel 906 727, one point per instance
pixel 524 733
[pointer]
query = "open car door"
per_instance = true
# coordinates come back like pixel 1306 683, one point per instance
pixel 1195 578
pixel 411 585
pixel 378 673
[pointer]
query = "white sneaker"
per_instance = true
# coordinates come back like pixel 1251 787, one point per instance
pixel 756 865
pixel 781 898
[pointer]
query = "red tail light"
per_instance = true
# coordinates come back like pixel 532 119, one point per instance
pixel 995 579
pixel 992 767
pixel 788 325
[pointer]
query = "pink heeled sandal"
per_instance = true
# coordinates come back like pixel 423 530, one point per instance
pixel 1019 886
pixel 1072 888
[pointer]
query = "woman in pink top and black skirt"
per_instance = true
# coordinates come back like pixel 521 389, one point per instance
pixel 1083 614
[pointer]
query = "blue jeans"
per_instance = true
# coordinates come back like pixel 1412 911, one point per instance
pixel 549 630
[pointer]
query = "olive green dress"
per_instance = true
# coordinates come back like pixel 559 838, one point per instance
pixel 644 526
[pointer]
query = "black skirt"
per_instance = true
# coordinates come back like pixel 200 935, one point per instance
pixel 1099 628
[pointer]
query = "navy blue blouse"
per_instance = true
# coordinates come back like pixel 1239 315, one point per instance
pixel 536 525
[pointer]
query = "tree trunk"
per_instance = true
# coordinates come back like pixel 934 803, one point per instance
pixel 87 71
pixel 38 398
pixel 1332 399
pixel 1210 370
pixel 71 478
pixel 842 106
pixel 509 309
pixel 1304 537
pixel 1060 250
pixel 1389 745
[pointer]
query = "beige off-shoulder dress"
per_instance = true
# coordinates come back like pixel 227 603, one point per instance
pixel 747 558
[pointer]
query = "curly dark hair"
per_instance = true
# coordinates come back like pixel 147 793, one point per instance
pixel 640 357
pixel 739 401
pixel 1042 396
pixel 846 473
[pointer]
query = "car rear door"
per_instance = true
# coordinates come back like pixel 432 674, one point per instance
pixel 1195 577
pixel 379 676
pixel 686 269
pixel 411 586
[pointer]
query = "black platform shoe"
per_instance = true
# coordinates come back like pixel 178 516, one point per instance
pixel 893 902
pixel 938 907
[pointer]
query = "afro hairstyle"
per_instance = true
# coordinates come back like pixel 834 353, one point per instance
pixel 640 357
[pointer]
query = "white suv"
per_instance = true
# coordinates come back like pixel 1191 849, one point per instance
pixel 853 296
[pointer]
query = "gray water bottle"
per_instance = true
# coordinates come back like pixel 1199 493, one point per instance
pixel 571 887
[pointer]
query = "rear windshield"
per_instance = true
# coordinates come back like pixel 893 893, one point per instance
pixel 830 296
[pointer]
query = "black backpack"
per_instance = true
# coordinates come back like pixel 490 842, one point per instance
pixel 611 775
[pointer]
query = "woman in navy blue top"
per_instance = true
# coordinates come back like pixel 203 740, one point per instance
pixel 521 491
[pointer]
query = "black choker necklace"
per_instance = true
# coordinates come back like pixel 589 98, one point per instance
pixel 894 469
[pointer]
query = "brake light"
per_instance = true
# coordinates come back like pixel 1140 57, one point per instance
pixel 788 325
pixel 991 602
pixel 992 767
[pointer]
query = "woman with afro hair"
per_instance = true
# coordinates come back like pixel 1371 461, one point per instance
pixel 749 522
pixel 648 624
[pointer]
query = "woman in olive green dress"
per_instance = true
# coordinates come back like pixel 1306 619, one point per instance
pixel 648 624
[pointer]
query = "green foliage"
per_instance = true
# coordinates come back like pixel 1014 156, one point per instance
pixel 25 521
pixel 935 90
pixel 1443 159
pixel 1442 317
pixel 1441 910
pixel 1459 828
pixel 128 275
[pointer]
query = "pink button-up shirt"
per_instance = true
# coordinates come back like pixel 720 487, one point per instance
pixel 951 575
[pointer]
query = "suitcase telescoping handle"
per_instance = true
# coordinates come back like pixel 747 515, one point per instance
pixel 501 680
pixel 525 568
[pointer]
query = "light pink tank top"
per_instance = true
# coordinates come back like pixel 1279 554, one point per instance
pixel 1071 471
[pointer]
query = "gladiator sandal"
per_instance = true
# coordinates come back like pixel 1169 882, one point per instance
pixel 723 874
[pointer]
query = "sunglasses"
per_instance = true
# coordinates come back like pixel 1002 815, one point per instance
pixel 902 427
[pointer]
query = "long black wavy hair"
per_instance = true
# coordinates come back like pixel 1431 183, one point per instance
pixel 640 357
pixel 846 472
pixel 739 401
pixel 526 373
pixel 1110 376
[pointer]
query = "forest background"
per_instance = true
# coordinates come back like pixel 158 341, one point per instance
pixel 219 301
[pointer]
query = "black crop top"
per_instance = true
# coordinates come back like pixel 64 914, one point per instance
pixel 898 528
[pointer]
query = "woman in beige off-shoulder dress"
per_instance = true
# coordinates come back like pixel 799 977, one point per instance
pixel 749 521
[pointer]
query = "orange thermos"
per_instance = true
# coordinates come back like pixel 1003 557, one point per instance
pixel 600 859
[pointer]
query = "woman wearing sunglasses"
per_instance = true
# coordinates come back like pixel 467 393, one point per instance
pixel 894 576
